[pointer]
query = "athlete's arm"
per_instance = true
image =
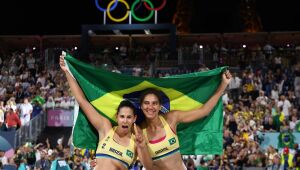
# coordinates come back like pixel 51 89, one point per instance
pixel 142 148
pixel 198 113
pixel 101 123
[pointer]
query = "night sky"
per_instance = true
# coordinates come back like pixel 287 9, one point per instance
pixel 40 17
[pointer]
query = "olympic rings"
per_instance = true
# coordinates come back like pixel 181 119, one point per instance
pixel 118 19
pixel 147 3
pixel 142 19
pixel 104 10
pixel 155 9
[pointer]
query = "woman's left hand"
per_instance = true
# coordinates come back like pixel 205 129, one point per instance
pixel 226 77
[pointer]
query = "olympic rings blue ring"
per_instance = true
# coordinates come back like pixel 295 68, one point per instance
pixel 104 10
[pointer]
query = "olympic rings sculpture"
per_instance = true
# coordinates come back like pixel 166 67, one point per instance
pixel 113 5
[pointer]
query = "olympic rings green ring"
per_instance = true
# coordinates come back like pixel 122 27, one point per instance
pixel 118 19
pixel 141 3
pixel 138 18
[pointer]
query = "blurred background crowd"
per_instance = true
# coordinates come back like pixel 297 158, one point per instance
pixel 263 97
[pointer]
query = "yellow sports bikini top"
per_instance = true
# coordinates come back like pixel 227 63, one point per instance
pixel 165 146
pixel 108 148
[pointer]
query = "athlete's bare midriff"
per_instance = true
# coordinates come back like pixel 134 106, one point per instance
pixel 172 162
pixel 107 163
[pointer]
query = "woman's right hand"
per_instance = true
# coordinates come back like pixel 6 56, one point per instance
pixel 62 62
pixel 139 137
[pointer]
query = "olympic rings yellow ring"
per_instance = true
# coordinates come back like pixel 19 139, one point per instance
pixel 118 19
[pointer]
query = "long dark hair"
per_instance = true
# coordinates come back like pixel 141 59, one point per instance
pixel 126 103
pixel 153 91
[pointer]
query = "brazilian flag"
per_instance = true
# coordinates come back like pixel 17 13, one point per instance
pixel 286 139
pixel 105 90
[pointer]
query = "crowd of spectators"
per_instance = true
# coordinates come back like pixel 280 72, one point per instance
pixel 22 80
pixel 263 96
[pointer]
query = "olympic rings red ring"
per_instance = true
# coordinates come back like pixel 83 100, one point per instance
pixel 156 9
